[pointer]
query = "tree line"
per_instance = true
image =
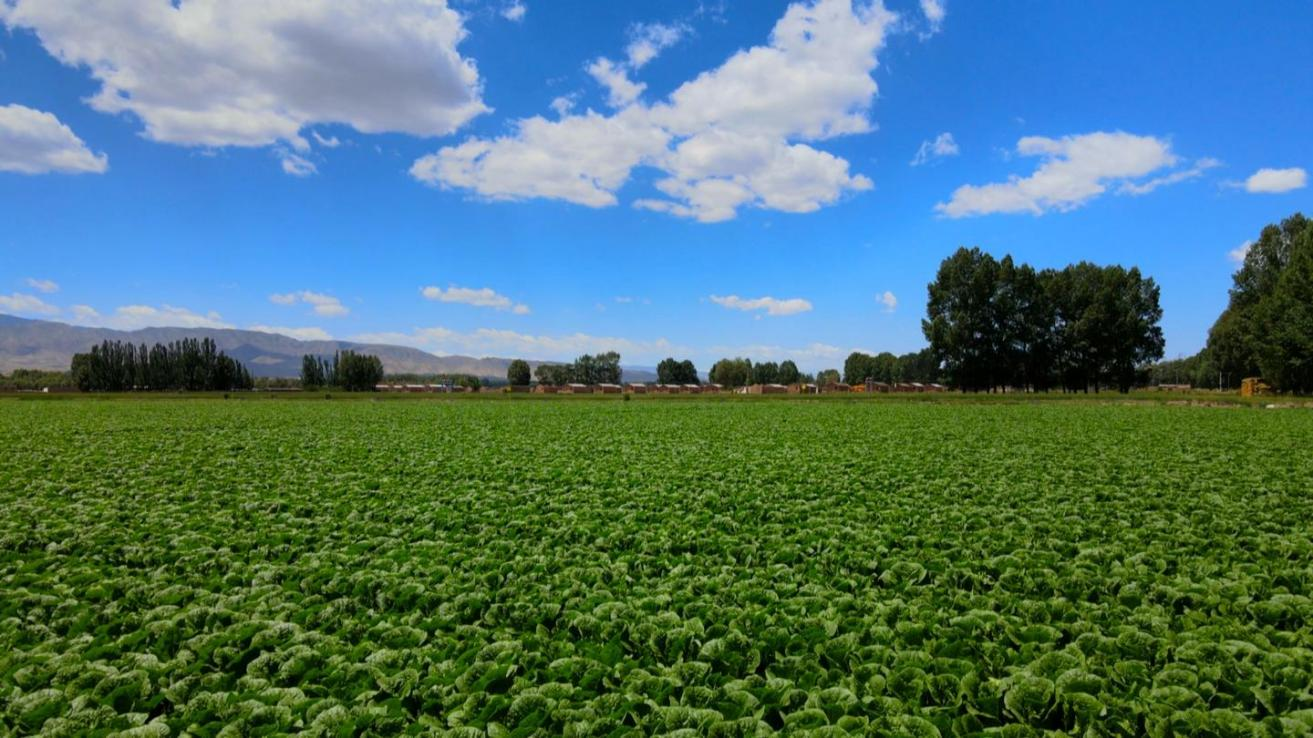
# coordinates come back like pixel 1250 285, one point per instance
pixel 347 371
pixel 996 324
pixel 587 369
pixel 1266 329
pixel 194 365
pixel 455 380
pixel 918 366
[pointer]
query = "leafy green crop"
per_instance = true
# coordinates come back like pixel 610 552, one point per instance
pixel 709 567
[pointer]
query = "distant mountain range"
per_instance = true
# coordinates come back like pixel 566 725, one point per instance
pixel 47 344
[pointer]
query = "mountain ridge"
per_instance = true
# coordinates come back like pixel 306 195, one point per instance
pixel 27 343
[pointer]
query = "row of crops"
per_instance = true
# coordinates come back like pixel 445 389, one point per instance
pixel 695 568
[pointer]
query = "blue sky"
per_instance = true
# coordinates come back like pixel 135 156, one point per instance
pixel 543 179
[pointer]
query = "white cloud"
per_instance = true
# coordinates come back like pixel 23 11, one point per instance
pixel 35 142
pixel 934 13
pixel 1239 253
pixel 1276 180
pixel 132 317
pixel 621 91
pixel 730 138
pixel 1144 188
pixel 506 343
pixel 254 73
pixel 889 300
pixel 43 285
pixel 514 11
pixel 325 305
pixel 297 166
pixel 562 105
pixel 807 357
pixel 771 305
pixel 1074 170
pixel 329 143
pixel 942 146
pixel 483 297
pixel 20 302
pixel 302 334
pixel 647 40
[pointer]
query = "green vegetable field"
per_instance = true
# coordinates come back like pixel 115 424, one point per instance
pixel 703 567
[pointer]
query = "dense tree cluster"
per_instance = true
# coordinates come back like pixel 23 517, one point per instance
pixel 996 324
pixel 739 372
pixel 671 371
pixel 1267 327
pixel 918 366
pixel 517 373
pixel 731 372
pixel 587 369
pixel 347 371
pixel 34 379
pixel 191 364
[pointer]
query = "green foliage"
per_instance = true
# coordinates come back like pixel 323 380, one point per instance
pixel 587 369
pixel 35 379
pixel 732 372
pixel 191 364
pixel 670 371
pixel 993 323
pixel 1267 328
pixel 495 568
pixel 347 370
pixel 517 373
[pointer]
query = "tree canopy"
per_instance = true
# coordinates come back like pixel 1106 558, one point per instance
pixel 190 364
pixel 517 373
pixel 671 371
pixel 347 370
pixel 587 369
pixel 997 324
pixel 1267 327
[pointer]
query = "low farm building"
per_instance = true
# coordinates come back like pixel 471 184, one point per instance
pixel 545 389
pixel 835 387
pixel 767 389
pixel 607 389
pixel 711 387
pixel 575 388
pixel 802 389
pixel 637 388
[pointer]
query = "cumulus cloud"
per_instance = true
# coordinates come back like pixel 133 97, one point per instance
pixel 35 142
pixel 302 334
pixel 1239 253
pixel 809 356
pixel 888 300
pixel 1276 180
pixel 647 40
pixel 325 305
pixel 621 91
pixel 942 146
pixel 1144 188
pixel 1074 170
pixel 20 302
pixel 255 73
pixel 735 136
pixel 514 11
pixel 132 317
pixel 43 285
pixel 483 297
pixel 297 166
pixel 934 13
pixel 771 305
pixel 494 342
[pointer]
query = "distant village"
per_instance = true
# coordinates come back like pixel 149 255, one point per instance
pixel 654 388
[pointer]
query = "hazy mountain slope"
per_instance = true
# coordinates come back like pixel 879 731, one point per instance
pixel 46 344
